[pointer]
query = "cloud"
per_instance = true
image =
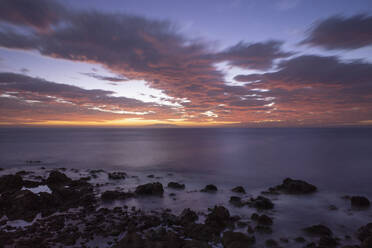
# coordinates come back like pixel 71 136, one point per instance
pixel 39 14
pixel 339 32
pixel 254 55
pixel 104 78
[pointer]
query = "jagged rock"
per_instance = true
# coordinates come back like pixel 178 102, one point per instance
pixel 210 188
pixel 318 230
pixel 236 201
pixel 271 243
pixel 10 183
pixel 262 219
pixel 237 240
pixel 176 185
pixel 327 242
pixel 238 189
pixel 188 216
pixel 155 189
pixel 364 232
pixel 112 195
pixel 57 178
pixel 117 175
pixel 261 203
pixel 360 201
pixel 290 186
pixel 219 218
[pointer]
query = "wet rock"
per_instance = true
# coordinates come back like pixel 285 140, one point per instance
pixel 263 229
pixel 332 208
pixel 327 242
pixel 202 232
pixel 261 203
pixel 57 178
pixel 175 185
pixel 31 184
pixel 237 240
pixel 271 243
pixel 236 201
pixel 210 188
pixel 238 189
pixel 364 232
pixel 155 189
pixel 117 175
pixel 262 219
pixel 318 230
pixel 21 205
pixel 112 195
pixel 10 183
pixel 290 186
pixel 360 202
pixel 367 243
pixel 187 216
pixel 300 240
pixel 219 218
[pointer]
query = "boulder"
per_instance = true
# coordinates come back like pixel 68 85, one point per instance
pixel 57 178
pixel 236 201
pixel 218 218
pixel 237 240
pixel 188 216
pixel 210 188
pixel 155 189
pixel 10 183
pixel 360 202
pixel 261 203
pixel 290 186
pixel 238 189
pixel 175 185
pixel 117 175
pixel 364 232
pixel 111 195
pixel 262 219
pixel 318 230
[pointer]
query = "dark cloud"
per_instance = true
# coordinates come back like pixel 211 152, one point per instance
pixel 104 78
pixel 40 14
pixel 254 55
pixel 339 32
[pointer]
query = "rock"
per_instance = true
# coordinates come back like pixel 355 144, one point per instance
pixel 262 219
pixel 117 175
pixel 238 189
pixel 318 230
pixel 10 183
pixel 155 189
pixel 364 232
pixel 188 216
pixel 57 178
pixel 263 229
pixel 300 240
pixel 210 188
pixel 236 201
pixel 360 202
pixel 261 203
pixel 175 185
pixel 271 243
pixel 237 240
pixel 202 232
pixel 219 218
pixel 112 195
pixel 21 205
pixel 290 186
pixel 327 242
pixel 367 243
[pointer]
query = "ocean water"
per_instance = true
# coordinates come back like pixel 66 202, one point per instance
pixel 334 159
pixel 338 161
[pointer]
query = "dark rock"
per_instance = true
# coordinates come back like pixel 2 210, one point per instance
pixel 31 184
pixel 236 201
pixel 219 218
pixel 175 185
pixel 150 189
pixel 263 229
pixel 209 188
pixel 237 240
pixel 318 230
pixel 10 183
pixel 112 195
pixel 271 243
pixel 367 243
pixel 262 219
pixel 57 178
pixel 202 232
pixel 117 175
pixel 300 240
pixel 238 189
pixel 151 176
pixel 364 232
pixel 360 202
pixel 327 242
pixel 262 203
pixel 188 216
pixel 290 186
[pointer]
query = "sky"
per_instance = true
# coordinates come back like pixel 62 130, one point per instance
pixel 238 63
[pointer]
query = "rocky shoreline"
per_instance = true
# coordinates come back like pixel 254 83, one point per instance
pixel 57 211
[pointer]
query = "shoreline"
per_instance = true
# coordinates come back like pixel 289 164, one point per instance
pixel 44 207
